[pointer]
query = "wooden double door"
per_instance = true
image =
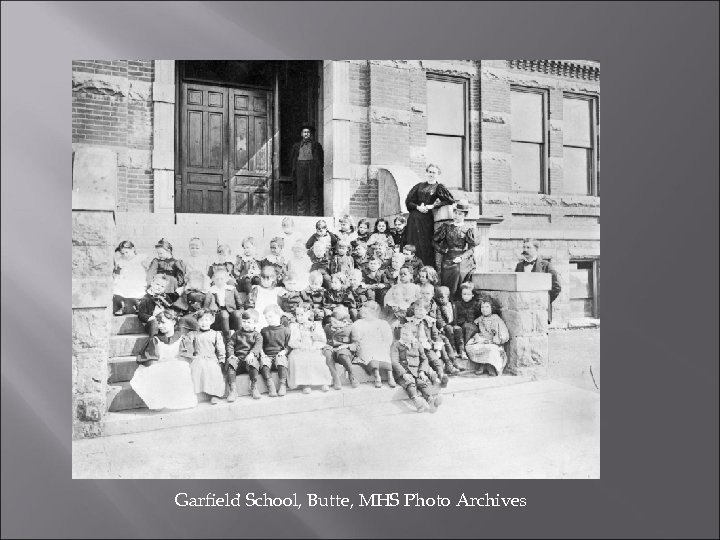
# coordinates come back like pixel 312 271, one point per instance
pixel 226 150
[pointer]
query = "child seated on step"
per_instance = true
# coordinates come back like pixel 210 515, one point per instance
pixel 155 301
pixel 276 259
pixel 206 348
pixel 447 321
pixel 360 256
pixel 289 237
pixel 291 299
pixel 224 260
pixel 409 368
pixel 412 260
pixel 399 233
pixel 129 278
pixel 376 279
pixel 427 274
pixel 339 295
pixel 372 338
pixel 320 254
pixel 299 263
pixel 486 347
pixel 197 261
pixel 363 232
pixel 399 298
pixel 247 266
pixel 347 230
pixel 362 293
pixel 163 379
pixel 424 328
pixel 192 299
pixel 380 240
pixel 275 347
pixel 467 310
pixel 397 261
pixel 339 349
pixel 226 303
pixel 342 261
pixel 245 355
pixel 447 352
pixel 306 361
pixel 267 293
pixel 165 263
pixel 314 295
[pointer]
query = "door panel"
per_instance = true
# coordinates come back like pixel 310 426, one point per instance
pixel 204 155
pixel 250 163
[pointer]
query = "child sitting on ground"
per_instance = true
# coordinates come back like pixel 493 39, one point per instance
pixel 155 301
pixel 372 338
pixel 313 295
pixel 409 365
pixel 275 338
pixel 306 362
pixel 129 278
pixel 207 350
pixel 339 349
pixel 486 347
pixel 244 355
pixel 165 263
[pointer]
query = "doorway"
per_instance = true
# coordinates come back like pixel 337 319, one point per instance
pixel 237 121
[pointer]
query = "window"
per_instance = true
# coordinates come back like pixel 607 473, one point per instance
pixel 579 136
pixel 584 288
pixel 447 128
pixel 528 108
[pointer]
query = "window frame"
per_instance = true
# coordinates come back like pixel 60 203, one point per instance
pixel 595 276
pixel 544 155
pixel 594 99
pixel 466 183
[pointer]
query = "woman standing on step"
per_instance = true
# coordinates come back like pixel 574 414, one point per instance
pixel 422 199
pixel 455 241
pixel 163 378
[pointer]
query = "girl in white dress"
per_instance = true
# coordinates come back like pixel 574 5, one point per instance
pixel 486 347
pixel 129 278
pixel 306 362
pixel 265 294
pixel 163 378
pixel 207 349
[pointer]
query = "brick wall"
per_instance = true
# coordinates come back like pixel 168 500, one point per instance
pixel 112 107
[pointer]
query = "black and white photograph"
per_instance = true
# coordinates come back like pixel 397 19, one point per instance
pixel 311 268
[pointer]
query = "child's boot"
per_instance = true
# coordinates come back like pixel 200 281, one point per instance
pixel 272 392
pixel 420 404
pixel 391 380
pixel 378 380
pixel 337 383
pixel 232 395
pixel 437 400
pixel 353 381
pixel 282 388
pixel 214 400
pixel 443 380
pixel 254 390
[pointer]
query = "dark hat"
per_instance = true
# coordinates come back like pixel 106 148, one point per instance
pixel 246 315
pixel 308 125
pixel 162 243
pixel 462 206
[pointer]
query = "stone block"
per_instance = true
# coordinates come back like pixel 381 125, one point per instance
pixel 126 324
pixel 94 179
pixel 89 408
pixel 527 352
pixel 93 229
pixel 520 300
pixel 92 261
pixel 519 323
pixel 88 366
pixel 127 345
pixel 90 328
pixel 512 281
pixel 121 369
pixel 94 292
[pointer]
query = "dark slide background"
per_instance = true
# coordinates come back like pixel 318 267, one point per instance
pixel 660 260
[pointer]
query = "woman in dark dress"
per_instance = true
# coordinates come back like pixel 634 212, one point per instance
pixel 455 242
pixel 420 202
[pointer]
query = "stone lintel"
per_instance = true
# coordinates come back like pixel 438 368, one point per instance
pixel 512 281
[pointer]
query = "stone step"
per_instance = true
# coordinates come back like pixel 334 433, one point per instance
pixel 126 344
pixel 121 369
pixel 126 324
pixel 118 423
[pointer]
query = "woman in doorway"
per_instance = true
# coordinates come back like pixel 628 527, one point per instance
pixel 422 199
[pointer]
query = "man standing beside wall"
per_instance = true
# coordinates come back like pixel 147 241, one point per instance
pixel 533 263
pixel 307 172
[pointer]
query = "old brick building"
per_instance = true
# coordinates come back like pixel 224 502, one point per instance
pixel 179 149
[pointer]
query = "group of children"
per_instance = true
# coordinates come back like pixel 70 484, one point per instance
pixel 338 299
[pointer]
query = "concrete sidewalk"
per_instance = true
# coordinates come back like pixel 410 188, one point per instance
pixel 544 429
